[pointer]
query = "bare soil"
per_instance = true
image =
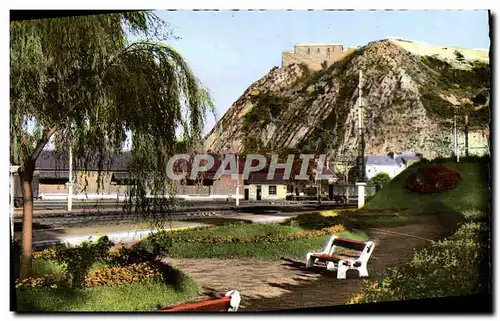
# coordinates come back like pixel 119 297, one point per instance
pixel 286 284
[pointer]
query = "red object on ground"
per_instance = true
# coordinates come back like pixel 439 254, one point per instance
pixel 215 305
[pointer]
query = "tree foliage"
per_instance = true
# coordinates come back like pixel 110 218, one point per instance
pixel 82 83
pixel 379 180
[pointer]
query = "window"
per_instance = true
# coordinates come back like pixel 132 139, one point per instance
pixel 328 50
pixel 318 49
pixel 308 50
pixel 272 190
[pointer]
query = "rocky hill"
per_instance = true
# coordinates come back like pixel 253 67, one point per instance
pixel 410 93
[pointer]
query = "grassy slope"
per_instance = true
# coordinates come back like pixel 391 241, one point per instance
pixel 471 193
pixel 456 266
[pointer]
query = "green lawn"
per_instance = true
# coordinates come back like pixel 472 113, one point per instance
pixel 243 230
pixel 471 193
pixel 140 296
pixel 296 249
pixel 144 296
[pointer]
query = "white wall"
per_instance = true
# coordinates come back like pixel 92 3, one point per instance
pixel 280 192
pixel 392 171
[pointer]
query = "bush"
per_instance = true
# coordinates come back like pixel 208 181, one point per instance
pixel 445 268
pixel 78 260
pixel 433 178
pixel 49 253
pixel 379 180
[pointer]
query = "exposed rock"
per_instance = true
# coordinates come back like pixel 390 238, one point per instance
pixel 409 99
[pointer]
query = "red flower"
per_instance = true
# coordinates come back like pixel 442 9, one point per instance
pixel 433 179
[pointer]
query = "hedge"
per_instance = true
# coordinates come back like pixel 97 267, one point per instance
pixel 446 268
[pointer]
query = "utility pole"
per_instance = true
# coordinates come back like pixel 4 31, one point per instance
pixel 361 148
pixel 466 132
pixel 237 181
pixel 456 136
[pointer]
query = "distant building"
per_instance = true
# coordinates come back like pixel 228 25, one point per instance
pixel 392 165
pixel 54 175
pixel 258 187
pixel 315 55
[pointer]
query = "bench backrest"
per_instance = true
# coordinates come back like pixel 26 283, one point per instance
pixel 227 303
pixel 366 248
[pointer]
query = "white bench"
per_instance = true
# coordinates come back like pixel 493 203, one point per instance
pixel 343 262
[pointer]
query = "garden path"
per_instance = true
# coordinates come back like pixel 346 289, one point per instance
pixel 285 284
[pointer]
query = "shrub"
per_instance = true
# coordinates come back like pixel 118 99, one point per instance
pixel 379 180
pixel 445 268
pixel 78 260
pixel 433 178
pixel 459 55
pixel 49 253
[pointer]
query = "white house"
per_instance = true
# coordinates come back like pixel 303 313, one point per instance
pixel 391 165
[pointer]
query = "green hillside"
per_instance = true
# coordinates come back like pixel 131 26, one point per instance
pixel 471 194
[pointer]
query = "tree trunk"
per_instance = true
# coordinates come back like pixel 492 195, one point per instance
pixel 27 180
pixel 27 233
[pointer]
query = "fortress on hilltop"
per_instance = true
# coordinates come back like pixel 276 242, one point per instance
pixel 314 55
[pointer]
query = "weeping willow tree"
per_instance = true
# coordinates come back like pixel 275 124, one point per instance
pixel 79 82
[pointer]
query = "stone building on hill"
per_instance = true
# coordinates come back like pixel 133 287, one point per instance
pixel 314 56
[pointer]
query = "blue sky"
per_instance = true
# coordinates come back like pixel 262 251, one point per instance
pixel 229 50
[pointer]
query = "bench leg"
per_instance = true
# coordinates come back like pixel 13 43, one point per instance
pixel 235 300
pixel 309 260
pixel 342 270
pixel 330 266
pixel 363 271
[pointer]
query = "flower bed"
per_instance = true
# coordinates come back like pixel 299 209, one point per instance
pixel 104 276
pixel 431 179
pixel 212 239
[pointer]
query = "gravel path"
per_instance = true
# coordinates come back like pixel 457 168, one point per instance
pixel 285 284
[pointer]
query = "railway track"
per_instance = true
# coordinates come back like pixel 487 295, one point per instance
pixel 114 219
pixel 114 204
pixel 177 214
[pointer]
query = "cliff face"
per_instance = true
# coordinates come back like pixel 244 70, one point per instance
pixel 410 93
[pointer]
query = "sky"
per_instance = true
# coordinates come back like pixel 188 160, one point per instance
pixel 229 50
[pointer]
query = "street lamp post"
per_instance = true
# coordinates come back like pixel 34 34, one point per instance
pixel 457 152
pixel 237 182
pixel 361 148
